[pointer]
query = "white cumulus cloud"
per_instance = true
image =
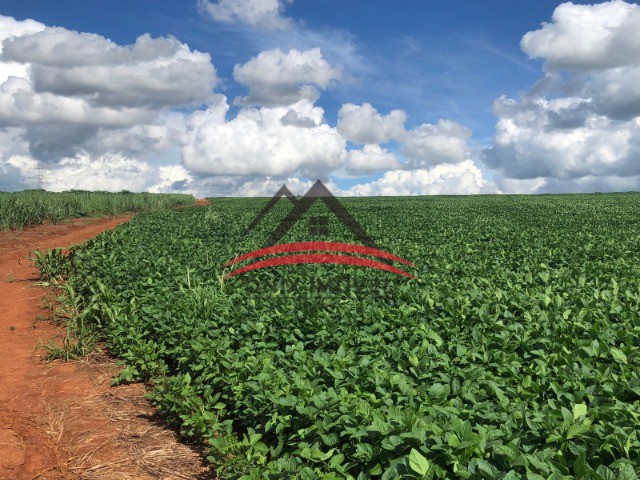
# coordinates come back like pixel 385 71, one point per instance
pixel 423 146
pixel 463 178
pixel 579 128
pixel 111 172
pixel 263 14
pixel 277 78
pixel 266 187
pixel 74 92
pixel 364 124
pixel 371 158
pixel 153 72
pixel 530 143
pixel 587 37
pixel 257 142
pixel 12 28
pixel 429 145
pixel 174 179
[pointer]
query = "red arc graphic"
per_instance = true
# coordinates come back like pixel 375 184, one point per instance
pixel 318 257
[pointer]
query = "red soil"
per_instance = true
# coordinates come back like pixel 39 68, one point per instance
pixel 57 419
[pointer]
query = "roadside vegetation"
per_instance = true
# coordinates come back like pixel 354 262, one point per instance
pixel 33 207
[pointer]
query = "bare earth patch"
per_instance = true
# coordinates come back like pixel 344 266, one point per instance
pixel 63 420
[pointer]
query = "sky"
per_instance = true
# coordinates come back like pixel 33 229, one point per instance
pixel 237 97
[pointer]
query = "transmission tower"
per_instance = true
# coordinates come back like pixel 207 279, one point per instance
pixel 37 176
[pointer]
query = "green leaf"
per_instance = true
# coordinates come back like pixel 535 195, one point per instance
pixel 435 337
pixel 453 440
pixel 627 473
pixel 439 390
pixel 579 409
pixel 618 355
pixel 418 463
pixel 578 429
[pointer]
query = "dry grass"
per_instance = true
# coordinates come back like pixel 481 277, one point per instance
pixel 56 419
pixel 113 434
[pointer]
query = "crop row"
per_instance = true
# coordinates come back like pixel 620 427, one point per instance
pixel 514 354
pixel 32 207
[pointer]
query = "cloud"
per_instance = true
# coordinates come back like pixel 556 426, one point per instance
pixel 139 139
pixel 294 140
pixel 592 183
pixel 529 143
pixel 578 129
pixel 371 158
pixel 463 178
pixel 11 178
pixel 257 142
pixel 74 93
pixel 338 47
pixel 16 28
pixel 587 37
pixel 266 187
pixel 11 146
pixel 153 72
pixel 11 28
pixel 20 104
pixel 177 179
pixel 518 186
pixel 293 118
pixel 263 14
pixel 363 124
pixel 100 115
pixel 429 145
pixel 173 179
pixel 424 146
pixel 276 78
pixel 12 142
pixel 592 51
pixel 589 183
pixel 111 172
pixel 263 24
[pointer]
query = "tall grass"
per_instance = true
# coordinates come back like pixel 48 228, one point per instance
pixel 32 207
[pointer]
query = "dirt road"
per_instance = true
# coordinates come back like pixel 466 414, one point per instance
pixel 63 420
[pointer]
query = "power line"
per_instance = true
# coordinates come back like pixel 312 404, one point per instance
pixel 39 177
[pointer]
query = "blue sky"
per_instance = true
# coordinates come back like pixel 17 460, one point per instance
pixel 458 56
pixel 474 114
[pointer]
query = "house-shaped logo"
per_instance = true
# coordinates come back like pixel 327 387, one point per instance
pixel 324 252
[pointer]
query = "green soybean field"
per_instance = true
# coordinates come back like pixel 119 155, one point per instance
pixel 514 353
